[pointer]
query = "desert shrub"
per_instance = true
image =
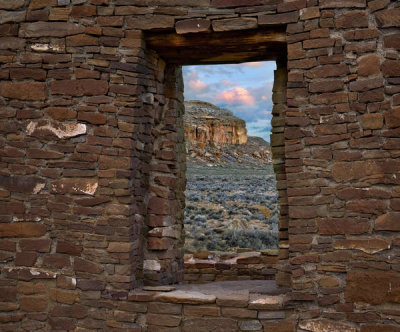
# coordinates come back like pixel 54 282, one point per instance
pixel 250 239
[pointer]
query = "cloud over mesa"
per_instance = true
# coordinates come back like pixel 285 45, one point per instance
pixel 237 95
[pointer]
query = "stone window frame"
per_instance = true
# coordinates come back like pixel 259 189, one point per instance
pixel 162 250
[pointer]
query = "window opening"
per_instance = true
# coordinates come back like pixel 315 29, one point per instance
pixel 232 204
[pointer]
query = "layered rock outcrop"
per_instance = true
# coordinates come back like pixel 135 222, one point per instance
pixel 207 123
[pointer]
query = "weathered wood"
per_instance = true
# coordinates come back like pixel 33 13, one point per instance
pixel 219 47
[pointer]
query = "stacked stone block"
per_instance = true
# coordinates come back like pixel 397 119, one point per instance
pixel 92 160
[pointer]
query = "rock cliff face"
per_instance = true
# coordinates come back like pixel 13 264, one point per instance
pixel 207 123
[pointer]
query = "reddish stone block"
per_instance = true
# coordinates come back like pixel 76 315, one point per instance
pixel 83 265
pixel 388 222
pixel 392 41
pixel 110 21
pixel 158 205
pixel 65 247
pixel 285 325
pixel 307 212
pixel 42 154
pixel 234 3
pixel 57 261
pixel 60 113
pixel 328 71
pixel 82 40
pixel 67 324
pixel 25 258
pixel 92 117
pixel 83 11
pixel 90 284
pixel 337 226
pixel 7 245
pixel 392 118
pixel 284 18
pixel 352 19
pixel 23 90
pixel 106 162
pixel 326 86
pixel 379 328
pixel 372 287
pixel 388 18
pixel 85 87
pixel 391 68
pixel 156 243
pixel 192 25
pixel 342 3
pixel 22 229
pixel 208 324
pixel 27 73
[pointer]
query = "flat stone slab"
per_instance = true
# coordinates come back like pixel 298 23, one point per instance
pixel 267 302
pixel 223 288
pixel 188 297
pixel 159 288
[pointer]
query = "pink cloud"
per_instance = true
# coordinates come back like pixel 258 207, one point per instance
pixel 197 85
pixel 236 95
pixel 253 64
pixel 228 83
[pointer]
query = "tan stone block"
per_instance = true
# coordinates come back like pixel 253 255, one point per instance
pixel 238 312
pixel 372 121
pixel 50 29
pixel 151 22
pixel 163 320
pixel 33 303
pixel 11 4
pixel 77 186
pixel 59 14
pixel 229 24
pixel 64 296
pixel 309 13
pixel 327 282
pixel 369 245
pixel 325 325
pixel 119 247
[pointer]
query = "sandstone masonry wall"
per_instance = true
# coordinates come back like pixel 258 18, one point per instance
pixel 92 161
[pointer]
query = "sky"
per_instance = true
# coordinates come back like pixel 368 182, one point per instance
pixel 245 89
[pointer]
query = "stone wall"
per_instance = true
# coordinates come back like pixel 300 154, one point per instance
pixel 92 157
pixel 203 267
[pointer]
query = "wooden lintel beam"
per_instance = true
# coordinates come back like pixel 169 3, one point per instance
pixel 219 47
